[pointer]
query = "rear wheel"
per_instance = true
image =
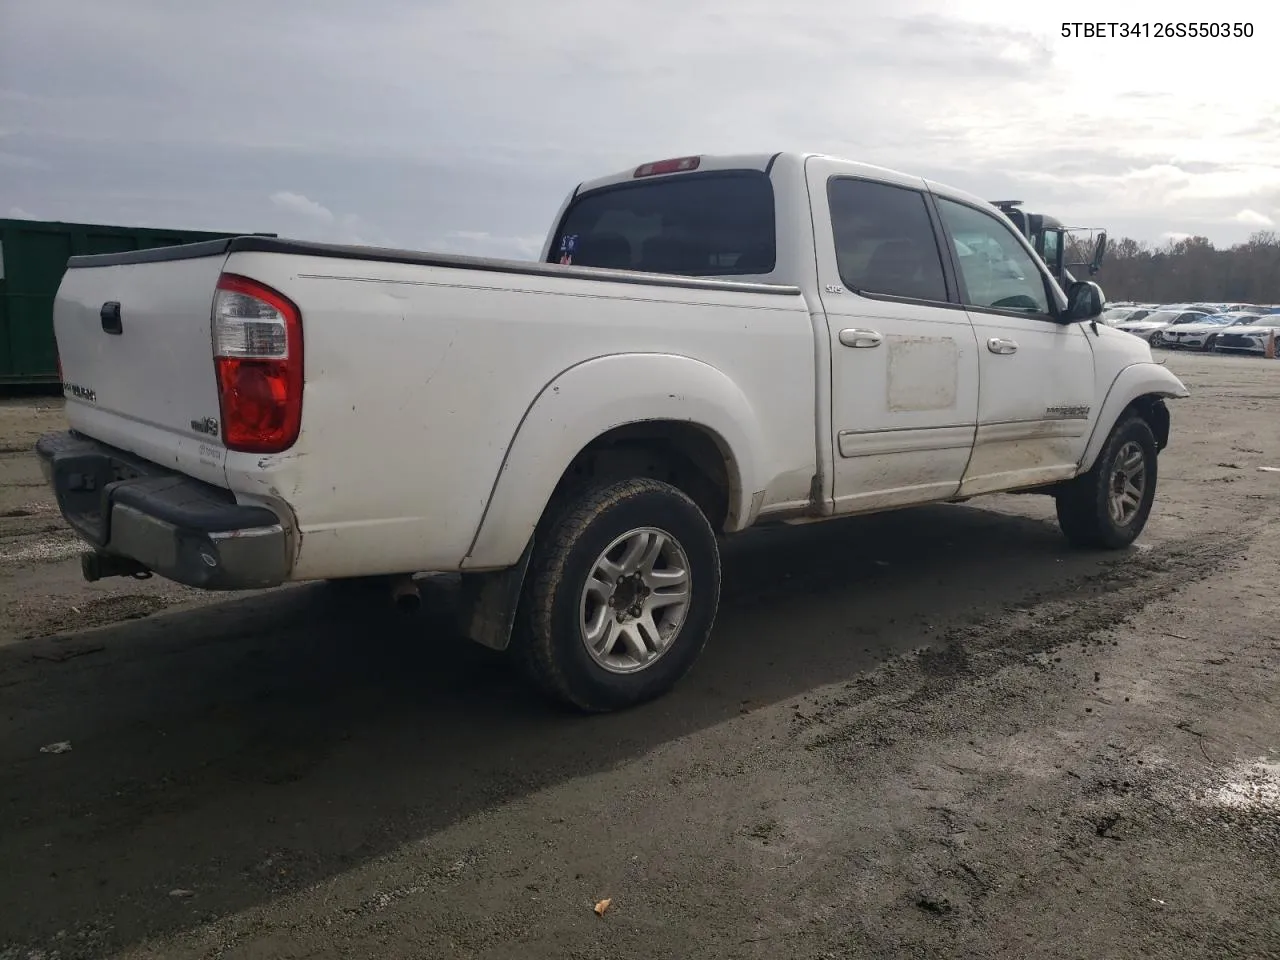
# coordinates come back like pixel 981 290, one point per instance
pixel 1108 507
pixel 621 595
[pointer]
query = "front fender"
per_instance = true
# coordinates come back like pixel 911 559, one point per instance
pixel 1145 379
pixel 590 399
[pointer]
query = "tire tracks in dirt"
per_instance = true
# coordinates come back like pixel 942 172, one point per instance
pixel 1072 611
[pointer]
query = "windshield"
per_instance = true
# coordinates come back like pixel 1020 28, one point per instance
pixel 698 225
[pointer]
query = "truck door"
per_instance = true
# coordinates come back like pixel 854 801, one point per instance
pixel 1036 372
pixel 904 363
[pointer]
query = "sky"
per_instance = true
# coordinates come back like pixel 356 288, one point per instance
pixel 460 125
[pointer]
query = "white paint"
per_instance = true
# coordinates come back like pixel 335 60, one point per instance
pixel 924 373
pixel 151 381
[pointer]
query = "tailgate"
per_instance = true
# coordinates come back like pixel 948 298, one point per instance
pixel 141 377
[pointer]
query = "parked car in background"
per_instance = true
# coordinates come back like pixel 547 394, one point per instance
pixel 1147 327
pixel 1250 336
pixel 1115 315
pixel 1200 335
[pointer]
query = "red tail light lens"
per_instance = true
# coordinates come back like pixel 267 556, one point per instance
pixel 257 348
pixel 675 165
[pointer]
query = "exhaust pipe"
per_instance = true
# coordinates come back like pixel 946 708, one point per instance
pixel 405 595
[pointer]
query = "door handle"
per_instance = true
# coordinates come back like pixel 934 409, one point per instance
pixel 1002 346
pixel 110 317
pixel 860 338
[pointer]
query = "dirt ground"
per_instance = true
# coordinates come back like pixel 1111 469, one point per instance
pixel 933 733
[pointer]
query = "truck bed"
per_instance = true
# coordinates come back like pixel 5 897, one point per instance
pixel 258 244
pixel 442 394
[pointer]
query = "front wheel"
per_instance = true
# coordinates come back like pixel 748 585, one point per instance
pixel 621 595
pixel 1108 507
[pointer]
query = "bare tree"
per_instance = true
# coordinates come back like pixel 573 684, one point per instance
pixel 1193 269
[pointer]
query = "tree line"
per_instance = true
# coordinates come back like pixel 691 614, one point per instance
pixel 1187 270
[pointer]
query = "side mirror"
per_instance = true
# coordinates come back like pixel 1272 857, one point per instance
pixel 1099 252
pixel 1084 301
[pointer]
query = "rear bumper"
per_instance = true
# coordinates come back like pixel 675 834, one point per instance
pixel 173 525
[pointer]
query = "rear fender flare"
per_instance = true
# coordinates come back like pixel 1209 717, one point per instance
pixel 590 399
pixel 1133 382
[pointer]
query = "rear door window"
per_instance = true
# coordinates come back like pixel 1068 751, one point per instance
pixel 885 243
pixel 712 224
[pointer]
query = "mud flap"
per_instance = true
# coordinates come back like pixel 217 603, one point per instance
pixel 487 603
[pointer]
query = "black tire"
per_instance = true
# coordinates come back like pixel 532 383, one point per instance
pixel 1084 512
pixel 1207 346
pixel 549 640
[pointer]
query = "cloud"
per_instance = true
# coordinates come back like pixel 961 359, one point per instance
pixel 297 203
pixel 479 115
pixel 480 242
pixel 17 213
pixel 1253 218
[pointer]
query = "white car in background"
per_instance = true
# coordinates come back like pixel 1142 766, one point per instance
pixel 1251 337
pixel 1153 323
pixel 1115 315
pixel 1200 336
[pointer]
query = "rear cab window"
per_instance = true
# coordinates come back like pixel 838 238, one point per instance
pixel 884 240
pixel 711 224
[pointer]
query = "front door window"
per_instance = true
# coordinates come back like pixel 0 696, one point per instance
pixel 997 270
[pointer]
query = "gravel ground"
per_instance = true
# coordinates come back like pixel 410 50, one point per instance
pixel 932 733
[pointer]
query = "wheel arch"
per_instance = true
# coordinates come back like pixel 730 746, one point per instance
pixel 656 412
pixel 1140 388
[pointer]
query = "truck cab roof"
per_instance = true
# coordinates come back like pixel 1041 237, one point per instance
pixel 765 163
pixel 745 215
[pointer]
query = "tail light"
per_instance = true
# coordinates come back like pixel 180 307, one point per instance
pixel 257 348
pixel 676 165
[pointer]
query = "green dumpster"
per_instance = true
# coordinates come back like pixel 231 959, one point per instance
pixel 33 256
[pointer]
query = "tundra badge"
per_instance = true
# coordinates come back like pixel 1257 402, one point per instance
pixel 208 426
pixel 1067 412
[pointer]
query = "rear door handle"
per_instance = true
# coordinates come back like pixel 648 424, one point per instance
pixel 110 316
pixel 860 338
pixel 1002 346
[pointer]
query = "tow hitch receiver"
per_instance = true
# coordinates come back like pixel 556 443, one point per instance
pixel 98 566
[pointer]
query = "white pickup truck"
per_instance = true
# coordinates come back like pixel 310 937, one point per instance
pixel 710 343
